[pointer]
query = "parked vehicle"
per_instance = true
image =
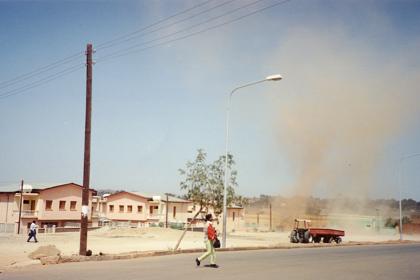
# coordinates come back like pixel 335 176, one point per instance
pixel 306 234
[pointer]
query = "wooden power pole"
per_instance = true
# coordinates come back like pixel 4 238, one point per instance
pixel 167 205
pixel 20 205
pixel 86 164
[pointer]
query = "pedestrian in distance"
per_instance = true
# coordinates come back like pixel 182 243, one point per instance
pixel 32 231
pixel 210 236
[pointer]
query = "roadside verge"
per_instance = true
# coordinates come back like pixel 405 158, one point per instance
pixel 141 254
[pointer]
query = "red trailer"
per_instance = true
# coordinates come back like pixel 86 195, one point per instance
pixel 306 234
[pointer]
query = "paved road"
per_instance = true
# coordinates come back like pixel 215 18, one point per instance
pixel 358 262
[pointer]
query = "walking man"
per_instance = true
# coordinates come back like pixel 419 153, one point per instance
pixel 32 231
pixel 209 237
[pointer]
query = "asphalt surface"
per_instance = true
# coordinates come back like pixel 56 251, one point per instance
pixel 348 262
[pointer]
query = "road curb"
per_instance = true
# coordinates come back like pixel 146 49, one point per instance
pixel 142 254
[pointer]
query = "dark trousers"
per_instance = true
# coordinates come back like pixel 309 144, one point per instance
pixel 32 233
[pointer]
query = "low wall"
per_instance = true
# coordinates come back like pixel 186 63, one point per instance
pixel 411 228
pixel 199 229
pixel 63 229
pixel 7 227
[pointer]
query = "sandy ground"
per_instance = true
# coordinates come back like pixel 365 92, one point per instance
pixel 15 250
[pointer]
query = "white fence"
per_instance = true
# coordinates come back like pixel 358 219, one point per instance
pixel 10 228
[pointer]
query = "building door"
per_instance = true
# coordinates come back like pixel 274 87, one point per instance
pixel 32 205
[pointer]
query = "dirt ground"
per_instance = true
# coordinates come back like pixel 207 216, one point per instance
pixel 15 250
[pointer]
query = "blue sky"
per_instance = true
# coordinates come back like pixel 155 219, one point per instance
pixel 338 123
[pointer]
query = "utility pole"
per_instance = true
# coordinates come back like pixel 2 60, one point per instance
pixel 86 164
pixel 167 205
pixel 20 204
pixel 271 219
pixel 258 219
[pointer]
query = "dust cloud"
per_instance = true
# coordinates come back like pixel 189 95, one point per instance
pixel 344 105
pixel 342 102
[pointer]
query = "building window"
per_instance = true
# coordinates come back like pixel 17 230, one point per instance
pixel 48 205
pixel 174 212
pixel 62 205
pixel 111 208
pixel 129 208
pixel 233 216
pixel 191 208
pixel 152 209
pixel 73 205
pixel 121 208
pixel 25 201
pixel 139 208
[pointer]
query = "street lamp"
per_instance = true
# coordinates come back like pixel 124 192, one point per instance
pixel 400 186
pixel 275 77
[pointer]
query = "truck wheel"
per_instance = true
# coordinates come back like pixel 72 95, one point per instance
pixel 293 237
pixel 317 239
pixel 300 238
pixel 327 239
pixel 338 240
pixel 307 237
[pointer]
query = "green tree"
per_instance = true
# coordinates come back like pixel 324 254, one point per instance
pixel 391 223
pixel 217 179
pixel 204 184
pixel 241 201
pixel 196 181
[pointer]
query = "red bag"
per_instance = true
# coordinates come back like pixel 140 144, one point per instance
pixel 211 232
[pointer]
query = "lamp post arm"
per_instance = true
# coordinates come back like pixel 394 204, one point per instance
pixel 246 85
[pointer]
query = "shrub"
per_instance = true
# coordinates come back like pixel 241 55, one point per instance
pixel 179 226
pixel 391 223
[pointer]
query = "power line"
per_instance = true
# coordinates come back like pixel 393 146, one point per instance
pixel 180 31
pixel 133 49
pixel 40 70
pixel 48 67
pixel 42 81
pixel 142 34
pixel 105 44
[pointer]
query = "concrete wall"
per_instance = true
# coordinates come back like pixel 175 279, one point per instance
pixel 181 212
pixel 235 219
pixel 6 208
